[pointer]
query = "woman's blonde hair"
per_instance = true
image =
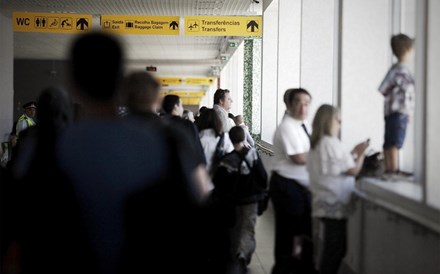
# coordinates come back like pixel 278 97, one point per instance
pixel 322 123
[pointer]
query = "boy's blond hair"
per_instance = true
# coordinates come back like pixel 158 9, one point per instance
pixel 400 44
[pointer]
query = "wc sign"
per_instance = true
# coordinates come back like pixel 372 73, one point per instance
pixel 23 21
pixel 51 22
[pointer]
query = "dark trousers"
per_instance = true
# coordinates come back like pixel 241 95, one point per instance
pixel 291 203
pixel 334 246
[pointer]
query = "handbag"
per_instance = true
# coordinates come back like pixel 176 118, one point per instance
pixel 373 165
pixel 260 183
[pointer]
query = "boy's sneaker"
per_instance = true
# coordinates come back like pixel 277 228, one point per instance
pixel 397 176
pixel 390 176
pixel 405 174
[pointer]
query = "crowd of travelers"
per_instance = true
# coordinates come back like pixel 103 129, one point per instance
pixel 88 188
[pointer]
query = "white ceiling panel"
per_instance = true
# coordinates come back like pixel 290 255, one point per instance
pixel 188 55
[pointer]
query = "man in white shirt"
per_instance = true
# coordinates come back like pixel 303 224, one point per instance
pixel 289 182
pixel 222 105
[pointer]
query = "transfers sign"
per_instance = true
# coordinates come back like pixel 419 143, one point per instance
pixel 223 25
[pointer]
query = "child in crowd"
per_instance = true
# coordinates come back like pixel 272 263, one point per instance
pixel 332 170
pixel 240 183
pixel 239 121
pixel 188 115
pixel 398 90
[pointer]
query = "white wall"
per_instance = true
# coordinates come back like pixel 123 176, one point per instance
pixel 6 76
pixel 408 20
pixel 432 107
pixel 231 78
pixel 208 99
pixel 281 60
pixel 269 82
pixel 317 52
pixel 303 56
pixel 289 49
pixel 366 58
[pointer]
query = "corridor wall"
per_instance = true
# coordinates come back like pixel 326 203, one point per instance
pixel 6 76
pixel 298 51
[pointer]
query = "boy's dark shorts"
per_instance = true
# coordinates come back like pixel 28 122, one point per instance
pixel 395 129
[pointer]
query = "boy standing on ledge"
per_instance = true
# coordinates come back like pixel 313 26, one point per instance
pixel 398 90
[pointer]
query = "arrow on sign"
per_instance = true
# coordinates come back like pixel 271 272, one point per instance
pixel 82 22
pixel 174 25
pixel 252 24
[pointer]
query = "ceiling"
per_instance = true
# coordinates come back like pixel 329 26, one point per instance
pixel 172 55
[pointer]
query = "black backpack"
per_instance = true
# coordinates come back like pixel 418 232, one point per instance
pixel 239 187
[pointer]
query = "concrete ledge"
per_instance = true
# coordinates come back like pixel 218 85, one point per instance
pixel 402 198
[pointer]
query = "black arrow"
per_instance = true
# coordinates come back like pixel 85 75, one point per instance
pixel 83 22
pixel 174 25
pixel 252 24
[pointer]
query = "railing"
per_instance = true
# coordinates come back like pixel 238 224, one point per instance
pixel 264 149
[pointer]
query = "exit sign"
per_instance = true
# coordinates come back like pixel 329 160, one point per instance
pixel 232 44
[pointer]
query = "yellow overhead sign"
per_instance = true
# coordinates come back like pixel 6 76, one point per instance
pixel 183 93
pixel 170 80
pixel 188 81
pixel 187 97
pixel 223 25
pixel 131 24
pixel 51 22
pixel 199 81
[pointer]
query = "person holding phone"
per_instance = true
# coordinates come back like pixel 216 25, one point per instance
pixel 332 170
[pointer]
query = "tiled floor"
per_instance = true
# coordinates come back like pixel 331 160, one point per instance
pixel 262 260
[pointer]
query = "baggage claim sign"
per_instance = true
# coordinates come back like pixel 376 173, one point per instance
pixel 223 25
pixel 149 25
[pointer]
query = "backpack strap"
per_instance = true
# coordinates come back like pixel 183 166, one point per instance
pixel 243 158
pixel 217 155
pixel 220 142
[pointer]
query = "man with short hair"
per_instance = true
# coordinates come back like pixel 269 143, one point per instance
pixel 141 93
pixel 173 108
pixel 222 105
pixel 290 181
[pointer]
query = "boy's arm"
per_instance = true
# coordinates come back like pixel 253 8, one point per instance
pixel 387 84
pixel 409 89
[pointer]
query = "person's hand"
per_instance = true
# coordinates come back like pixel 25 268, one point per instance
pixel 360 148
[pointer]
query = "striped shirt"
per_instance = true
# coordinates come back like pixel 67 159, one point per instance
pixel 398 89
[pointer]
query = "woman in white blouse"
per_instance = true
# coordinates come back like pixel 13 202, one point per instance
pixel 210 132
pixel 332 169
